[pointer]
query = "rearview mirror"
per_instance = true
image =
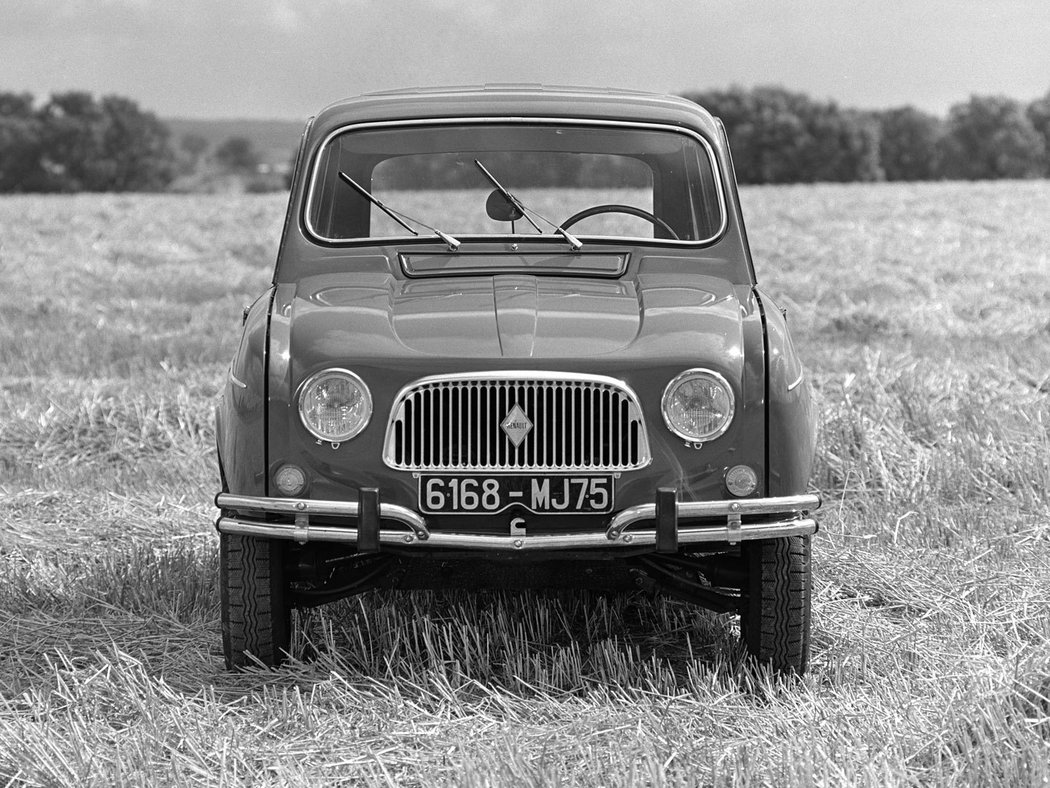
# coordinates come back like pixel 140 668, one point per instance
pixel 500 209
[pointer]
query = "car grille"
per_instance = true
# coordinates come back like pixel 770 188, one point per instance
pixel 516 421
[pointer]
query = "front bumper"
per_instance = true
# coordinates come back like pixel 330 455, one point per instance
pixel 660 526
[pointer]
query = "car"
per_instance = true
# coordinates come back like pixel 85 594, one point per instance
pixel 514 339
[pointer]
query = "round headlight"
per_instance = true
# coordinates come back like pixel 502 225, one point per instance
pixel 335 405
pixel 698 405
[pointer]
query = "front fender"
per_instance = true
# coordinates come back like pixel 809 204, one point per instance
pixel 791 420
pixel 240 415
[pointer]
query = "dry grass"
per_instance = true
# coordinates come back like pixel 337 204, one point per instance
pixel 924 315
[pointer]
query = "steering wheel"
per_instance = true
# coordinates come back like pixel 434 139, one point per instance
pixel 594 210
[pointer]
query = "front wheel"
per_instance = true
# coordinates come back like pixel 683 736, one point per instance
pixel 256 610
pixel 775 618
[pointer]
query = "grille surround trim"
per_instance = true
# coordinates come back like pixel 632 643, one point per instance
pixel 631 419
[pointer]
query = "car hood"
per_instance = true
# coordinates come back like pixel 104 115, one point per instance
pixel 338 317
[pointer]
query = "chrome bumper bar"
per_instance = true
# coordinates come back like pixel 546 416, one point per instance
pixel 780 517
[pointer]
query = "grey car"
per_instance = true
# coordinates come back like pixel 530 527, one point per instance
pixel 514 338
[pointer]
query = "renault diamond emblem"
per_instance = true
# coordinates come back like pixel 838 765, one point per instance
pixel 516 426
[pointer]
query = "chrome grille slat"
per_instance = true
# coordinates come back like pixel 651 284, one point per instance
pixel 423 424
pixel 452 423
pixel 589 417
pixel 568 453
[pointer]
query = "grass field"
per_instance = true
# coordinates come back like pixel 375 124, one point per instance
pixel 923 313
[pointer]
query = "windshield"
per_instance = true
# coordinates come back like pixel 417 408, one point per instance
pixel 522 180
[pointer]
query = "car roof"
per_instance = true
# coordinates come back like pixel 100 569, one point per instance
pixel 515 100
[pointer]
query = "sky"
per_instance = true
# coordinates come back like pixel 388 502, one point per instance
pixel 289 58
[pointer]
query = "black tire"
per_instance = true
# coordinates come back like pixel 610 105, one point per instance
pixel 256 610
pixel 775 619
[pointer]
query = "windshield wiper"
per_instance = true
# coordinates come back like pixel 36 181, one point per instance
pixel 574 243
pixel 399 216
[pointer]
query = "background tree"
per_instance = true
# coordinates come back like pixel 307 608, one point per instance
pixel 779 136
pixel 909 142
pixel 110 145
pixel 237 154
pixel 73 127
pixel 842 145
pixel 135 147
pixel 1038 113
pixel 991 137
pixel 20 143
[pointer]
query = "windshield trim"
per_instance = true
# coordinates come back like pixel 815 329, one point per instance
pixel 315 168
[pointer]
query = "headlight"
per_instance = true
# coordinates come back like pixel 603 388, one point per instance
pixel 698 405
pixel 335 405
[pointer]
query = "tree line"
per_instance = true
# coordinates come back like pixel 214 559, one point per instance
pixel 75 142
pixel 780 136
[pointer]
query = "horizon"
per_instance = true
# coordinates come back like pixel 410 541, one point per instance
pixel 683 92
pixel 841 104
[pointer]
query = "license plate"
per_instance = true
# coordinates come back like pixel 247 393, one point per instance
pixel 539 494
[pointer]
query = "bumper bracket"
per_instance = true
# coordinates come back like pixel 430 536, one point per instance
pixel 666 520
pixel 368 520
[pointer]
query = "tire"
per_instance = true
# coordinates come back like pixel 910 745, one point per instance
pixel 256 611
pixel 775 619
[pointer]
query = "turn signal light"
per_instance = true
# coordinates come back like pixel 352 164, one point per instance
pixel 741 480
pixel 290 480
